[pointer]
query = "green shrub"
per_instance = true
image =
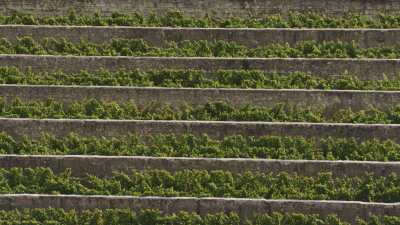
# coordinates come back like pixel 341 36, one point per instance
pixel 202 48
pixel 177 19
pixel 237 146
pixel 211 111
pixel 202 183
pixel 151 217
pixel 197 79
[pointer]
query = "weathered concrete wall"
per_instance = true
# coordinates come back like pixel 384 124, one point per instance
pixel 248 37
pixel 368 69
pixel 331 101
pixel 220 8
pixel 246 208
pixel 104 166
pixel 111 128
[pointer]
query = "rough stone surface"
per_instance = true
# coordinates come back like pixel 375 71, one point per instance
pixel 111 128
pixel 103 166
pixel 221 8
pixel 249 37
pixel 330 101
pixel 365 69
pixel 246 208
pixel 368 69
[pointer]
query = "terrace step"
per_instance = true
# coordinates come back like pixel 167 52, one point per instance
pixel 104 166
pixel 159 36
pixel 34 128
pixel 364 69
pixel 331 101
pixel 221 8
pixel 245 208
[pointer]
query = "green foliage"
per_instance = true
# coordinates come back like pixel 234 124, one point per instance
pixel 197 79
pixel 169 145
pixel 177 19
pixel 59 216
pixel 152 217
pixel 202 48
pixel 202 183
pixel 211 111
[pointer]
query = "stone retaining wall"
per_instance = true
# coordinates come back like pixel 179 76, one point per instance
pixel 248 37
pixel 329 101
pixel 111 128
pixel 366 69
pixel 103 166
pixel 220 8
pixel 246 208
